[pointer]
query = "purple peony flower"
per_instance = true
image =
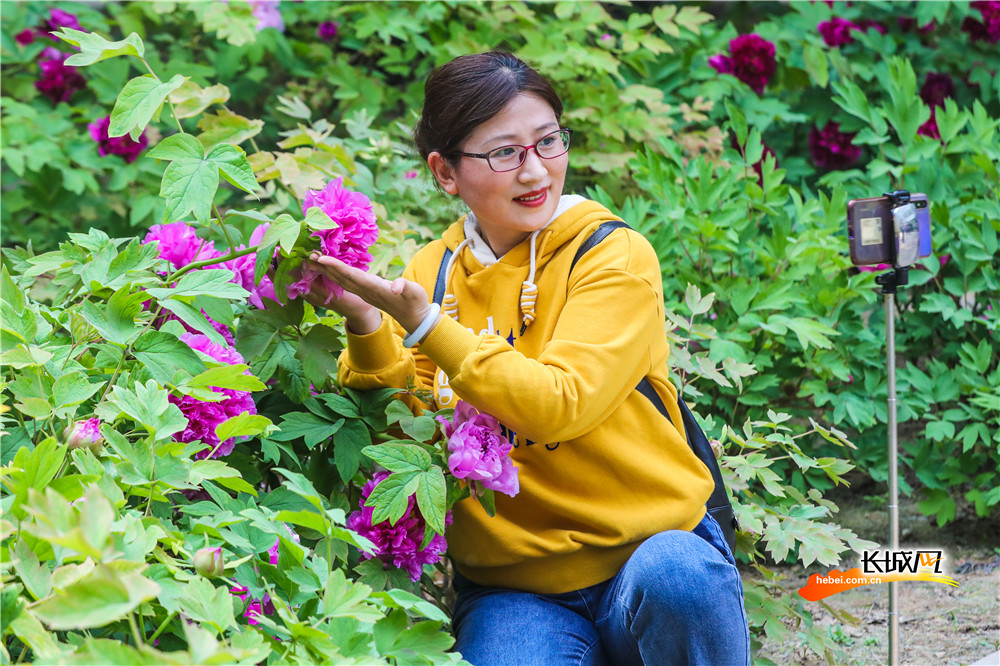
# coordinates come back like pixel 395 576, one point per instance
pixel 119 145
pixel 355 232
pixel 399 544
pixel 327 31
pixel 58 19
pixel 256 607
pixel 272 552
pixel 59 81
pixel 267 14
pixel 837 31
pixel 751 60
pixel 936 89
pixel 203 416
pixel 987 30
pixel 479 451
pixel 832 149
pixel 179 244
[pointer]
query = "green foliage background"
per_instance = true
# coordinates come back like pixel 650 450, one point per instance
pixel 779 342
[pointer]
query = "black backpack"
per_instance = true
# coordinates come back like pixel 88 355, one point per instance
pixel 718 503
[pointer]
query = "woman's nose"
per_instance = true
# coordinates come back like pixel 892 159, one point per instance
pixel 533 167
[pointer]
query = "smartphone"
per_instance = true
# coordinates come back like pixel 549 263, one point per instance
pixel 871 230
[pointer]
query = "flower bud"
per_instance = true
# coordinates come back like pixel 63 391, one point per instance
pixel 717 448
pixel 85 434
pixel 208 562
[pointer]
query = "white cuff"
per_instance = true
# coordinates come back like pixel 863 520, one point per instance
pixel 425 326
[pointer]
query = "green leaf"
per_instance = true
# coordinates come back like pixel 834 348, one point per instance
pixel 177 147
pixel 207 281
pixel 301 486
pixel 116 323
pixel 191 99
pixel 72 389
pixel 318 220
pixel 318 351
pixel 37 579
pixel 343 598
pixel 193 318
pixel 99 599
pixel 164 354
pixel 209 605
pixel 234 167
pixel 94 48
pixel 243 425
pixel 399 457
pixel 410 602
pixel 313 429
pixel 148 405
pixel 432 497
pixel 815 60
pixel 391 496
pixel 227 377
pixel 138 102
pixel 189 185
pixel 348 443
pixel 227 128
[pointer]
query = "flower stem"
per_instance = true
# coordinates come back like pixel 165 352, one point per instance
pixel 135 630
pixel 163 625
pixel 173 111
pixel 225 232
pixel 235 254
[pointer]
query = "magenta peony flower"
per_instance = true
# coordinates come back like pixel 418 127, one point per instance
pixel 203 416
pixel 874 269
pixel 479 451
pixel 179 244
pixel 58 19
pixel 59 81
pixel 85 434
pixel 837 31
pixel 987 30
pixel 327 31
pixel 272 552
pixel 751 60
pixel 256 607
pixel 930 128
pixel 832 149
pixel 349 241
pixel 410 174
pixel 936 89
pixel 399 544
pixel 267 14
pixel 907 23
pixel 25 37
pixel 119 145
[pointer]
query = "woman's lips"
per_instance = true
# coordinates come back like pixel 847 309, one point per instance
pixel 532 199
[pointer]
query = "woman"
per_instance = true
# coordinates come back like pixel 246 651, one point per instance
pixel 606 555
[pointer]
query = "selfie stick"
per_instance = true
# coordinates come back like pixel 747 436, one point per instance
pixel 898 276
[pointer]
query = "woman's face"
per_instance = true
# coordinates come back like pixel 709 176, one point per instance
pixel 511 204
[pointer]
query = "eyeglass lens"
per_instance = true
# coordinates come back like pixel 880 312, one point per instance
pixel 508 158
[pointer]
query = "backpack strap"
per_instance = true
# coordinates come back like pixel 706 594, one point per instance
pixel 442 278
pixel 596 237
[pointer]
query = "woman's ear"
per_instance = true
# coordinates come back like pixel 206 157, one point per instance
pixel 443 171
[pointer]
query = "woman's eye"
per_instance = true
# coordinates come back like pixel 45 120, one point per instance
pixel 548 141
pixel 503 153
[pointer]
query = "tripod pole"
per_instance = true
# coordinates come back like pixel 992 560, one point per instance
pixel 890 339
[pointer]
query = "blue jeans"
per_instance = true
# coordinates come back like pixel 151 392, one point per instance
pixel 678 600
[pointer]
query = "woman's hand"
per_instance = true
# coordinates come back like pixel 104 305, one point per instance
pixel 403 300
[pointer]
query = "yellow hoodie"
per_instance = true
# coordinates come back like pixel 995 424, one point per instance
pixel 600 469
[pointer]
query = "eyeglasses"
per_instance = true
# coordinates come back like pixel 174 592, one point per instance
pixel 508 158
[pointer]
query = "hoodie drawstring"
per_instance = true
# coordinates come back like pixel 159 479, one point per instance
pixel 449 304
pixel 529 290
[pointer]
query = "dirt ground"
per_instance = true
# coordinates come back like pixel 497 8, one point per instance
pixel 939 624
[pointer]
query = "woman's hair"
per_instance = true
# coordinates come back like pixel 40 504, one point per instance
pixel 469 90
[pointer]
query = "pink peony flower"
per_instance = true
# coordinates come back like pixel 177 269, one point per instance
pixel 399 544
pixel 119 145
pixel 85 434
pixel 327 31
pixel 837 31
pixel 751 60
pixel 59 81
pixel 349 241
pixel 256 607
pixel 874 269
pixel 179 244
pixel 832 149
pixel 267 14
pixel 272 552
pixel 409 175
pixel 479 451
pixel 203 416
pixel 936 89
pixel 987 30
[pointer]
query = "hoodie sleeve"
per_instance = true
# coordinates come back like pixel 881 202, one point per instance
pixel 598 351
pixel 379 360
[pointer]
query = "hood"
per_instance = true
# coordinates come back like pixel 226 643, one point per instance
pixel 573 215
